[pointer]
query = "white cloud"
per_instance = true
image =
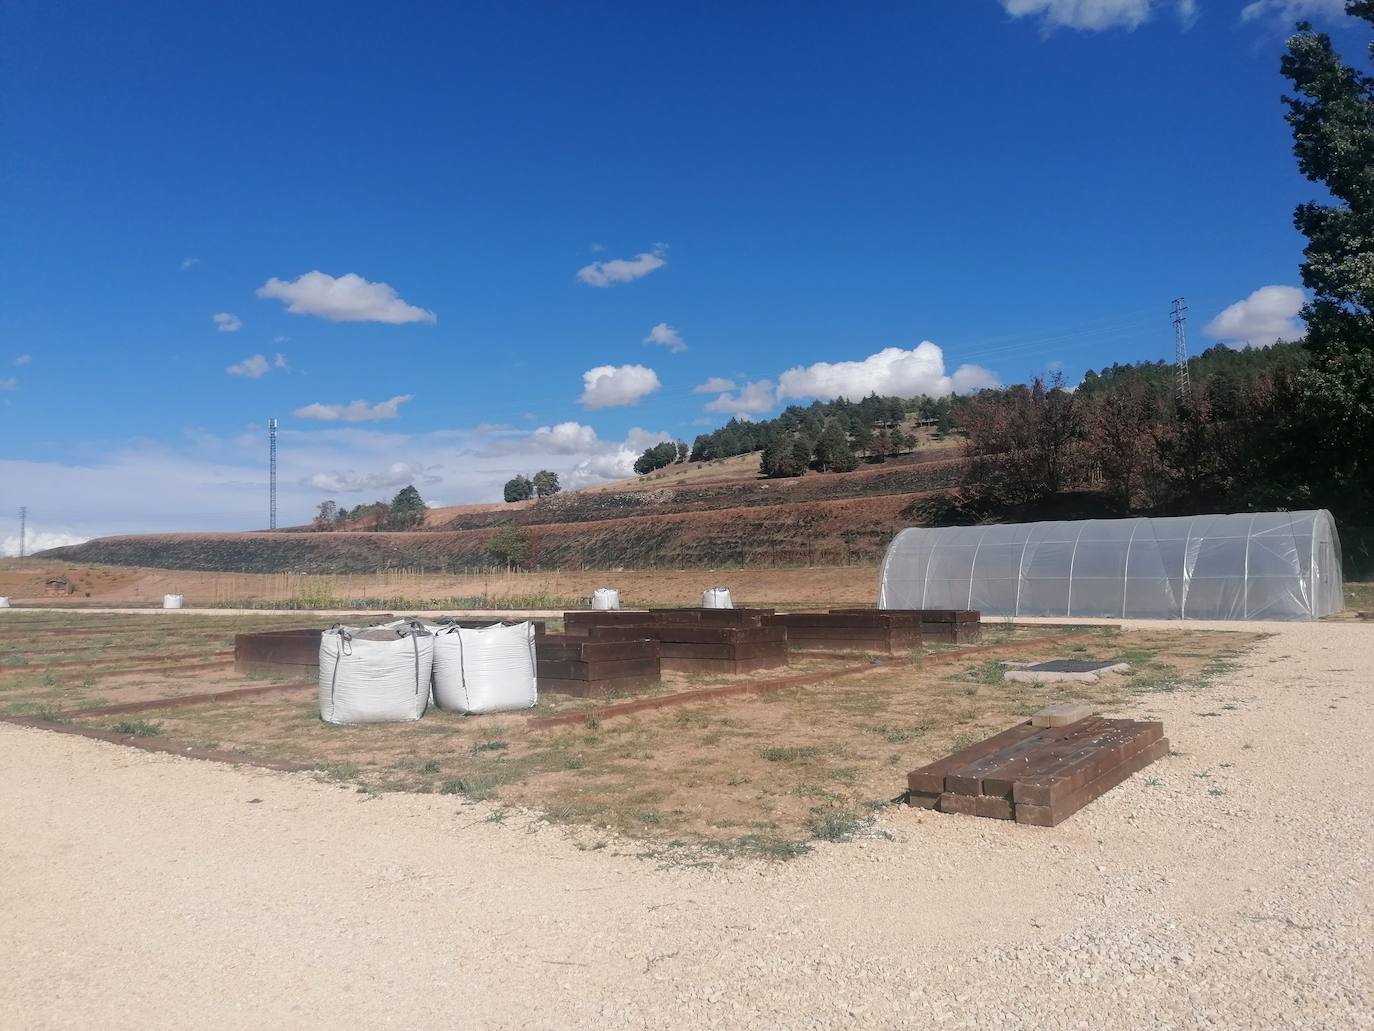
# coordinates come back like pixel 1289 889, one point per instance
pixel 355 411
pixel 665 335
pixel 280 339
pixel 892 371
pixel 37 540
pixel 751 399
pixel 610 386
pixel 346 481
pixel 189 263
pixel 226 322
pixel 567 438
pixel 257 366
pixel 624 270
pixel 1286 12
pixel 349 298
pixel 1268 315
pixel 1097 15
pixel 9 383
pixel 714 385
pixel 24 359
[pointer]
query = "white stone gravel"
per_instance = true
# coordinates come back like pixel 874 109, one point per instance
pixel 1228 886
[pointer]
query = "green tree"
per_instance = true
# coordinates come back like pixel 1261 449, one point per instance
pixel 407 509
pixel 510 545
pixel 833 451
pixel 546 483
pixel 326 515
pixel 1333 138
pixel 657 457
pixel 519 489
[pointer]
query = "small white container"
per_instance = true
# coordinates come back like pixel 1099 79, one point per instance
pixel 4 602
pixel 716 598
pixel 172 601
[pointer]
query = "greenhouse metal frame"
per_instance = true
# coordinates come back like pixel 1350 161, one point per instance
pixel 1251 565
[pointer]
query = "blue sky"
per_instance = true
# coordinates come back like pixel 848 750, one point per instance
pixel 500 201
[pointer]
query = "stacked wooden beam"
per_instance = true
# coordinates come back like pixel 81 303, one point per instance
pixel 1038 775
pixel 711 617
pixel 868 630
pixel 581 621
pixel 588 668
pixel 693 640
pixel 290 653
pixel 940 626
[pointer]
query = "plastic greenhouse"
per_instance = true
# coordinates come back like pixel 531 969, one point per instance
pixel 1264 565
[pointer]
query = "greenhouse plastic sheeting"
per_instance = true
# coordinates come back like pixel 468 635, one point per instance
pixel 1253 565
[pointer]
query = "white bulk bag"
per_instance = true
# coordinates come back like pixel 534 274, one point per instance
pixel 4 602
pixel 716 598
pixel 374 676
pixel 605 598
pixel 172 601
pixel 485 670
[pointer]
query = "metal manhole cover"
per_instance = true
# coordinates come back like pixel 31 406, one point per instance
pixel 1072 666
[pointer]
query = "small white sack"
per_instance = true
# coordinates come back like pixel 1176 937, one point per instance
pixel 374 676
pixel 491 669
pixel 604 598
pixel 4 602
pixel 716 598
pixel 172 601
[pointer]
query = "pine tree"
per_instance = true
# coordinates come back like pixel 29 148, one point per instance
pixel 1333 139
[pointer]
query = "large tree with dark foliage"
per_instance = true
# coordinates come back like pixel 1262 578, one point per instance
pixel 407 509
pixel 518 488
pixel 1332 116
pixel 659 455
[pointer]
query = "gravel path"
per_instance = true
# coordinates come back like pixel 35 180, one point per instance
pixel 1228 886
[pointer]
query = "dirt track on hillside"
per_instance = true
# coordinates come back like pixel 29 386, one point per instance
pixel 1229 886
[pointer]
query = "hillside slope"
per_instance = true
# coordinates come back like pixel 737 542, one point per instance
pixel 667 521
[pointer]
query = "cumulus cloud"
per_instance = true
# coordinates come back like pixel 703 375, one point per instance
pixel 24 359
pixel 346 481
pixel 355 411
pixel 38 540
pixel 665 335
pixel 1268 315
pixel 714 385
pixel 751 399
pixel 567 438
pixel 624 270
pixel 226 322
pixel 610 386
pixel 1096 15
pixel 189 263
pixel 257 366
pixel 1286 12
pixel 349 298
pixel 892 371
pixel 9 383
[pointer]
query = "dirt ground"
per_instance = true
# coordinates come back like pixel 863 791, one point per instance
pixel 1228 886
pixel 765 773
